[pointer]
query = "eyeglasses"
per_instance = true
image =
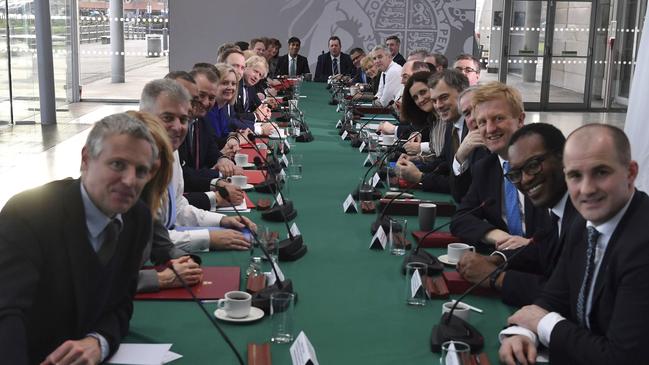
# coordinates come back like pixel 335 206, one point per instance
pixel 532 167
pixel 466 70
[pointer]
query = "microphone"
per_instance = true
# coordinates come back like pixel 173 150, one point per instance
pixel 356 142
pixel 207 314
pixel 451 327
pixel 382 220
pixel 422 256
pixel 261 299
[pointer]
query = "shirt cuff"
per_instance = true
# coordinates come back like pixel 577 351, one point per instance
pixel 103 345
pixel 395 130
pixel 257 129
pixel 212 197
pixel 425 147
pixel 518 330
pixel 460 168
pixel 546 325
pixel 498 253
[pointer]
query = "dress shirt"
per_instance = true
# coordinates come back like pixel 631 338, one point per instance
pixel 459 168
pixel 188 215
pixel 389 85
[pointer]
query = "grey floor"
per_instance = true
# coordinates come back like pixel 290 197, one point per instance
pixel 31 155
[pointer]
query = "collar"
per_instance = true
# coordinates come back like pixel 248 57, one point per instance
pixel 96 220
pixel 560 208
pixel 334 57
pixel 607 228
pixel 501 161
pixel 459 124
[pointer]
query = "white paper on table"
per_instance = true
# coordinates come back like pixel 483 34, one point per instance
pixel 140 354
pixel 415 283
pixel 242 208
pixel 270 276
pixel 302 351
pixel 171 356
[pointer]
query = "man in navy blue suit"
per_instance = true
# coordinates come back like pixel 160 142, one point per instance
pixel 293 64
pixel 333 62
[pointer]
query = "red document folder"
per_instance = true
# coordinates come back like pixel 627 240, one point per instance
pixel 436 239
pixel 255 176
pixel 216 282
pixel 252 153
pixel 457 285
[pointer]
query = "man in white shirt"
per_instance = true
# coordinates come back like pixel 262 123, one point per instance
pixel 592 310
pixel 390 83
pixel 169 101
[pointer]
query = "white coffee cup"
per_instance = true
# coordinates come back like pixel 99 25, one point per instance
pixel 388 139
pixel 236 304
pixel 239 180
pixel 241 159
pixel 456 250
pixel 461 311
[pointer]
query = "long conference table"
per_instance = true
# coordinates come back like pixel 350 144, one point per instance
pixel 351 299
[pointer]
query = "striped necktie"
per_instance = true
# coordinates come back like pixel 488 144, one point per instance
pixel 335 67
pixel 593 236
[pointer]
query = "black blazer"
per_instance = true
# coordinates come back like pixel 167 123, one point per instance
pixel 198 178
pixel 49 271
pixel 253 103
pixel 399 59
pixel 532 267
pixel 438 179
pixel 323 67
pixel 618 319
pixel 487 184
pixel 301 68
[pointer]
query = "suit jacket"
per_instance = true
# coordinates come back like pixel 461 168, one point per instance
pixel 301 68
pixel 438 179
pixel 618 320
pixel 460 184
pixel 399 59
pixel 488 184
pixel 198 178
pixel 528 272
pixel 48 270
pixel 253 102
pixel 323 67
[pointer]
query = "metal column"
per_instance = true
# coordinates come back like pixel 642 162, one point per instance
pixel 117 41
pixel 45 62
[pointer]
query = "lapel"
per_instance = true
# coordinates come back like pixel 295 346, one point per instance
pixel 465 130
pixel 493 187
pixel 75 237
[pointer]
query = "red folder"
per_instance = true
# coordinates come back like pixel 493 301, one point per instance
pixel 249 202
pixel 216 282
pixel 255 176
pixel 435 239
pixel 457 285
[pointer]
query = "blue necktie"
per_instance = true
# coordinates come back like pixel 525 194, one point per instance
pixel 335 67
pixel 593 235
pixel 512 209
pixel 171 214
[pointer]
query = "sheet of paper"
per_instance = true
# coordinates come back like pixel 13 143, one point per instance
pixel 344 135
pixel 380 236
pixel 349 203
pixel 294 230
pixel 415 283
pixel 140 354
pixel 242 208
pixel 171 356
pixel 339 124
pixel 375 179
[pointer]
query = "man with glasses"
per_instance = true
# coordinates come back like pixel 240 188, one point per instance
pixel 511 220
pixel 469 66
pixel 357 54
pixel 535 153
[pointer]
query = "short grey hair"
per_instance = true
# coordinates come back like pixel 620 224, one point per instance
pixel 170 88
pixel 380 48
pixel 463 93
pixel 118 124
pixel 420 54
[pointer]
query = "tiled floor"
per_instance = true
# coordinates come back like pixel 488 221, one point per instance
pixel 31 155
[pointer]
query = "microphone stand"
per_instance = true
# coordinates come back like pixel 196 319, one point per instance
pixel 207 314
pixel 261 299
pixel 451 327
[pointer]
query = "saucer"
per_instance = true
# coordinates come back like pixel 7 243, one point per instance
pixel 444 260
pixel 277 136
pixel 255 314
pixel 247 187
pixel 246 165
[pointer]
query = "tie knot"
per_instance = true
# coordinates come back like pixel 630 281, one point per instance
pixel 593 235
pixel 506 166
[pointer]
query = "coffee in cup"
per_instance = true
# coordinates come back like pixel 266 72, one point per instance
pixel 236 304
pixel 461 310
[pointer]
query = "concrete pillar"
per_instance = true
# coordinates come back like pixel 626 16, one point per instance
pixel 45 62
pixel 117 41
pixel 531 39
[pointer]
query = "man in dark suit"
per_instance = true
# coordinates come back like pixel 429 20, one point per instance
pixel 393 43
pixel 70 252
pixel 592 310
pixel 293 64
pixel 499 113
pixel 535 153
pixel 358 76
pixel 333 62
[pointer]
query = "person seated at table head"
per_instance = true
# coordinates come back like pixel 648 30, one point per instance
pixel 390 82
pixel 159 249
pixel 70 252
pixel 293 63
pixel 334 62
pixel 258 46
pixel 512 219
pixel 591 310
pixel 189 226
pixel 535 154
pixel 393 44
pixel 418 54
pixel 469 66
